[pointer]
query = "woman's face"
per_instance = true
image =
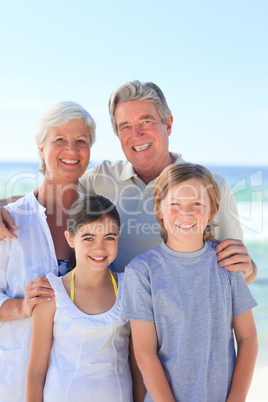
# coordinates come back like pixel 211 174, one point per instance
pixel 66 151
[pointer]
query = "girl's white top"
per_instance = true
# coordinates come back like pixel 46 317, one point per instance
pixel 89 354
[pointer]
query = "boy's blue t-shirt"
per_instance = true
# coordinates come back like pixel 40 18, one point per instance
pixel 192 302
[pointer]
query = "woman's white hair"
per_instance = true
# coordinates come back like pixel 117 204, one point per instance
pixel 136 90
pixel 58 115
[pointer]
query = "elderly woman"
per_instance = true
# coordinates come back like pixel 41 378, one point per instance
pixel 64 136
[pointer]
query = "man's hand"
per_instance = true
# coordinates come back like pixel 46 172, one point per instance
pixel 233 256
pixel 6 225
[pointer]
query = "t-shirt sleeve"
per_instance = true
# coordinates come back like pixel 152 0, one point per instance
pixel 242 297
pixel 137 298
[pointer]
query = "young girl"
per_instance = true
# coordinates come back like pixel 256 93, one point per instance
pixel 183 307
pixel 80 345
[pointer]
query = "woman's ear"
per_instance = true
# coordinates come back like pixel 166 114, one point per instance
pixel 41 150
pixel 69 238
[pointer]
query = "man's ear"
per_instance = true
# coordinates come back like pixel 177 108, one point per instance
pixel 169 124
pixel 69 238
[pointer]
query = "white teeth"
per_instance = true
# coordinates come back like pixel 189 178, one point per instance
pixel 98 258
pixel 71 161
pixel 142 147
pixel 186 226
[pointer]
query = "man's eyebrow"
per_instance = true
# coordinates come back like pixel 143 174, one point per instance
pixel 88 234
pixel 143 117
pixel 147 116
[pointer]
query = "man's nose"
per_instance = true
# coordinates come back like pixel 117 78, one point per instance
pixel 137 131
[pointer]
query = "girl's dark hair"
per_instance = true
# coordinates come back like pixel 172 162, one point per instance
pixel 88 209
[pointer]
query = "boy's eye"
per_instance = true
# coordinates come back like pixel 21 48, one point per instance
pixel 110 238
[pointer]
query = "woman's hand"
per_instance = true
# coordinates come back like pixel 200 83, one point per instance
pixel 6 225
pixel 37 291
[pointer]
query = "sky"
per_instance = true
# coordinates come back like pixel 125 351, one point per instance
pixel 209 57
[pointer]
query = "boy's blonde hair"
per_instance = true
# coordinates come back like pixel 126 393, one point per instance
pixel 178 173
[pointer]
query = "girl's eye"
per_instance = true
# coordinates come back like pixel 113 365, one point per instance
pixel 88 238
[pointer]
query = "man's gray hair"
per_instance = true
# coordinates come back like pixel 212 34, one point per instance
pixel 58 115
pixel 136 90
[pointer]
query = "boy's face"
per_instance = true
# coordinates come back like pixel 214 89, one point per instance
pixel 185 212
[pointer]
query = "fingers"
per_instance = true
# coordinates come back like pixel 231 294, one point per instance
pixel 37 291
pixel 233 255
pixel 39 287
pixel 6 225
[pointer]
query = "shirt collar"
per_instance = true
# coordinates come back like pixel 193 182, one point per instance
pixel 128 171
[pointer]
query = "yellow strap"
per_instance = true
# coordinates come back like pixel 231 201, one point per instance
pixel 72 286
pixel 113 282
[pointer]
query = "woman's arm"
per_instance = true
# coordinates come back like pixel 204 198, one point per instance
pixel 145 349
pixel 42 333
pixel 139 390
pixel 247 349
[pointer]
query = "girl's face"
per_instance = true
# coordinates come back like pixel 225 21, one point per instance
pixel 185 212
pixel 95 244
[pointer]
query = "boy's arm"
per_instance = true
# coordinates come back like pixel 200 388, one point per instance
pixel 145 349
pixel 42 333
pixel 247 349
pixel 139 389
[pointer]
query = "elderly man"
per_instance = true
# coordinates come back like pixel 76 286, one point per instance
pixel 143 122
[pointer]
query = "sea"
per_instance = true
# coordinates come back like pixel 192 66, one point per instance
pixel 250 187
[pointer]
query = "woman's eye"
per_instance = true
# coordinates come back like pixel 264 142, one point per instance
pixel 197 204
pixel 60 139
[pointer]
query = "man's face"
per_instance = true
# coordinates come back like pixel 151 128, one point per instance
pixel 143 136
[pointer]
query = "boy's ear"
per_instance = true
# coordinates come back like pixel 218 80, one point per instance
pixel 69 238
pixel 119 234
